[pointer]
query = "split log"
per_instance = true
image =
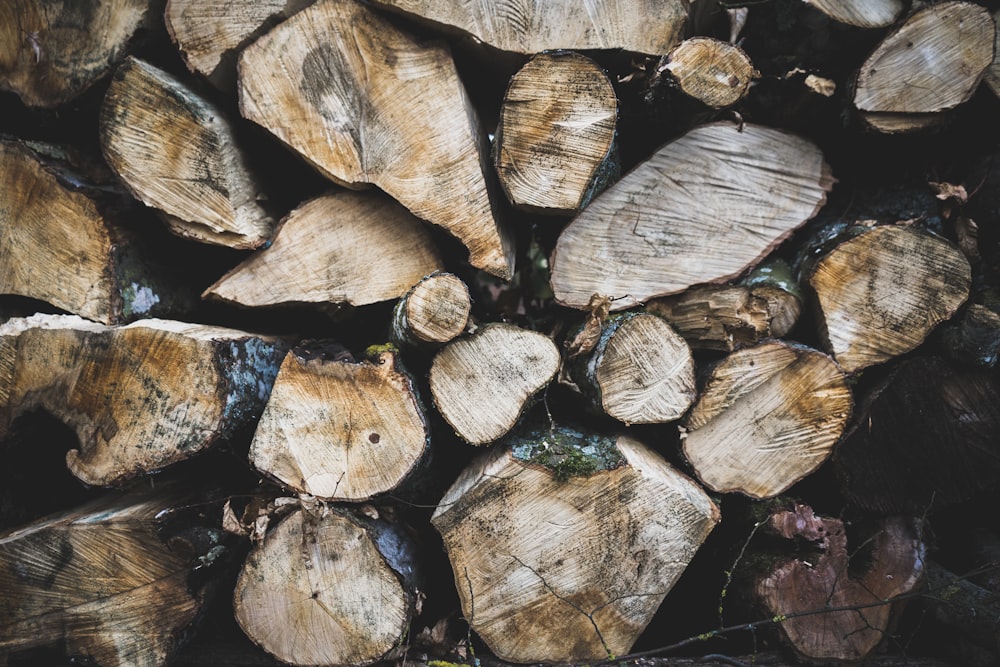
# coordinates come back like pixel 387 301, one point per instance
pixel 639 372
pixel 556 142
pixel 210 34
pixel 933 62
pixel 482 384
pixel 767 304
pixel 340 430
pixel 139 397
pixel 372 105
pixel 101 582
pixel 344 247
pixel 862 600
pixel 62 247
pixel 176 152
pixel 51 51
pixel 880 291
pixel 658 230
pixel 768 416
pixel 861 13
pixel 711 71
pixel 992 76
pixel 433 312
pixel 563 544
pixel 924 438
pixel 649 26
pixel 328 587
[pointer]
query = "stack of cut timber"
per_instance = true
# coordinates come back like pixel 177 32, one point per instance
pixel 358 332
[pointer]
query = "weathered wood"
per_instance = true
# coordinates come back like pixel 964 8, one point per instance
pixel 861 13
pixel 658 230
pixel 433 312
pixel 344 247
pixel 176 152
pixel 340 430
pixel 139 397
pixel 714 72
pixel 373 105
pixel 556 143
pixel 563 544
pixel 481 384
pixel 768 416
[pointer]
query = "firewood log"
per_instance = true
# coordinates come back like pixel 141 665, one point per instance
pixel 973 336
pixel 821 580
pixel 931 63
pixel 640 371
pixel 344 247
pixel 767 304
pixel 63 246
pixel 992 76
pixel 340 430
pixel 967 609
pixel 53 50
pixel 880 291
pixel 372 105
pixel 210 35
pixel 658 231
pixel 327 586
pixel 139 397
pixel 102 582
pixel 768 416
pixel 481 384
pixel 711 71
pixel 861 13
pixel 563 544
pixel 176 152
pixel 433 312
pixel 556 142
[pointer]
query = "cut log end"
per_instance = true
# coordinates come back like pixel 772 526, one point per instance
pixel 433 312
pixel 714 72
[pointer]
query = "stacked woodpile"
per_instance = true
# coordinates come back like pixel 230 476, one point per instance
pixel 346 332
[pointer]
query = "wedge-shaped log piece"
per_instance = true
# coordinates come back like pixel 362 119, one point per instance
pixel 101 582
pixel 932 62
pixel 768 416
pixel 882 290
pixel 861 13
pixel 53 50
pixel 59 246
pixel 658 231
pixel 894 566
pixel 483 383
pixel 176 152
pixel 646 26
pixel 372 105
pixel 556 143
pixel 210 34
pixel 348 247
pixel 340 430
pixel 563 544
pixel 714 72
pixel 433 312
pixel 640 372
pixel 139 397
pixel 328 587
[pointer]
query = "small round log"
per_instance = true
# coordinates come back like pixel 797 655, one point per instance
pixel 433 312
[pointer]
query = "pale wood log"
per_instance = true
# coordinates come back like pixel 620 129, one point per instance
pixel 714 72
pixel 861 13
pixel 727 317
pixel 210 34
pixel 434 311
pixel 639 372
pixel 372 105
pixel 328 587
pixel 931 63
pixel 556 142
pixel 139 397
pixel 563 544
pixel 646 26
pixel 814 581
pixel 101 582
pixel 481 384
pixel 176 152
pixel 658 231
pixel 344 247
pixel 768 416
pixel 881 290
pixel 51 51
pixel 340 430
